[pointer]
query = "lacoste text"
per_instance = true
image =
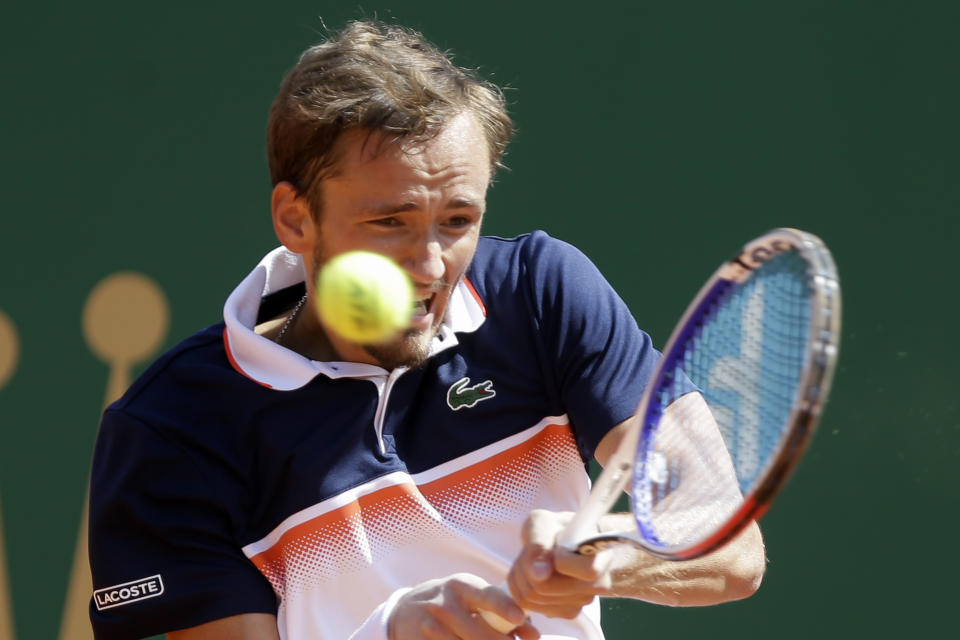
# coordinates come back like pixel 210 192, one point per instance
pixel 128 592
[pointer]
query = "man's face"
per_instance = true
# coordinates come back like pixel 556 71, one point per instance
pixel 421 206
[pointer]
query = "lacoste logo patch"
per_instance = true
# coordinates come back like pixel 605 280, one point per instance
pixel 460 395
pixel 128 592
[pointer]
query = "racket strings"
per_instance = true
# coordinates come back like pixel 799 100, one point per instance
pixel 726 404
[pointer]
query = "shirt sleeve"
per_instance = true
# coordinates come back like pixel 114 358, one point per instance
pixel 600 359
pixel 163 551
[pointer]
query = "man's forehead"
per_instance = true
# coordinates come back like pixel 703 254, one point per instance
pixel 460 134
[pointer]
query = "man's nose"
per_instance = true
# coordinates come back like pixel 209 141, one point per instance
pixel 424 261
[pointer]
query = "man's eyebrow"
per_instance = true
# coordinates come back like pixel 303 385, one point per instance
pixel 389 208
pixel 463 202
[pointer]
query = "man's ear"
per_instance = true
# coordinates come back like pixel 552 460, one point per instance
pixel 292 220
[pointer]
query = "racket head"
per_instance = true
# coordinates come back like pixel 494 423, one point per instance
pixel 755 353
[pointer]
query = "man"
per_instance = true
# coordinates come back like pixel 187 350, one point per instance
pixel 269 479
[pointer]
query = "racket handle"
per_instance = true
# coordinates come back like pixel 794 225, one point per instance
pixel 501 625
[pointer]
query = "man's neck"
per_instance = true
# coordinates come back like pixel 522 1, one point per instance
pixel 300 331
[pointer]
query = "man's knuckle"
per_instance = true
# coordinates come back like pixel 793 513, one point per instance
pixel 521 591
pixel 458 578
pixel 549 589
pixel 456 584
pixel 430 626
pixel 569 613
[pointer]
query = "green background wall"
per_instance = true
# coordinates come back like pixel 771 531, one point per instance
pixel 657 136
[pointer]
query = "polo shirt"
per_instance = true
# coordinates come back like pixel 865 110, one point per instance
pixel 238 476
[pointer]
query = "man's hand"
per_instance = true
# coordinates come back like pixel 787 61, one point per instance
pixel 550 579
pixel 446 609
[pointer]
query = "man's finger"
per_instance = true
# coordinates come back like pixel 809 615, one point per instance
pixel 541 528
pixel 432 629
pixel 526 632
pixel 492 599
pixel 592 569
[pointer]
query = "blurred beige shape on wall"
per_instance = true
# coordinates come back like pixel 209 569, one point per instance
pixel 125 321
pixel 6 604
pixel 9 355
pixel 9 349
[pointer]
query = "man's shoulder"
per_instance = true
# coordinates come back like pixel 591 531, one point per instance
pixel 535 258
pixel 493 245
pixel 196 366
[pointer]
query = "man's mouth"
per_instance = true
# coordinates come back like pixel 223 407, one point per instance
pixel 423 312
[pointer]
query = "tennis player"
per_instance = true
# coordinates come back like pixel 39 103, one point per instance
pixel 268 479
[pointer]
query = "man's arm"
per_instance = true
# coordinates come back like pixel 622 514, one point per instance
pixel 732 572
pixel 558 582
pixel 246 626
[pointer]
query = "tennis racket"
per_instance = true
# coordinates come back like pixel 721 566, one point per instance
pixel 731 406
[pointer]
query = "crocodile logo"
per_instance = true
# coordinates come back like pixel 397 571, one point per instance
pixel 460 395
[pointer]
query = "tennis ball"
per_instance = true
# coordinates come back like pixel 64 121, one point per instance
pixel 364 297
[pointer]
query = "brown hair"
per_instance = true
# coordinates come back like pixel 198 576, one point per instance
pixel 381 78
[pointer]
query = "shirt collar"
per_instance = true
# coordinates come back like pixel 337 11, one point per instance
pixel 277 367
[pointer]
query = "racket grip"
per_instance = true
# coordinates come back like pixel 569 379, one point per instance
pixel 501 625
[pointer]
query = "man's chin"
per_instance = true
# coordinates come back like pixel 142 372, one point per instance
pixel 411 350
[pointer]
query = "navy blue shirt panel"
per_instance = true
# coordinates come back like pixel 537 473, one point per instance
pixel 181 523
pixel 283 450
pixel 593 360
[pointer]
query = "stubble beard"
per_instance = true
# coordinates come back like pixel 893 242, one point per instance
pixel 411 350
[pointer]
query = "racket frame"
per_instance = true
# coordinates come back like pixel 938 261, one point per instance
pixel 812 391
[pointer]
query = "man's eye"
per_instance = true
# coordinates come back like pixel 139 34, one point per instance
pixel 459 221
pixel 386 222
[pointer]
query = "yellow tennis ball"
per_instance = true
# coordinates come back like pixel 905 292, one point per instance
pixel 364 296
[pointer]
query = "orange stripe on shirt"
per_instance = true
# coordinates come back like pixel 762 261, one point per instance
pixel 404 497
pixel 476 296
